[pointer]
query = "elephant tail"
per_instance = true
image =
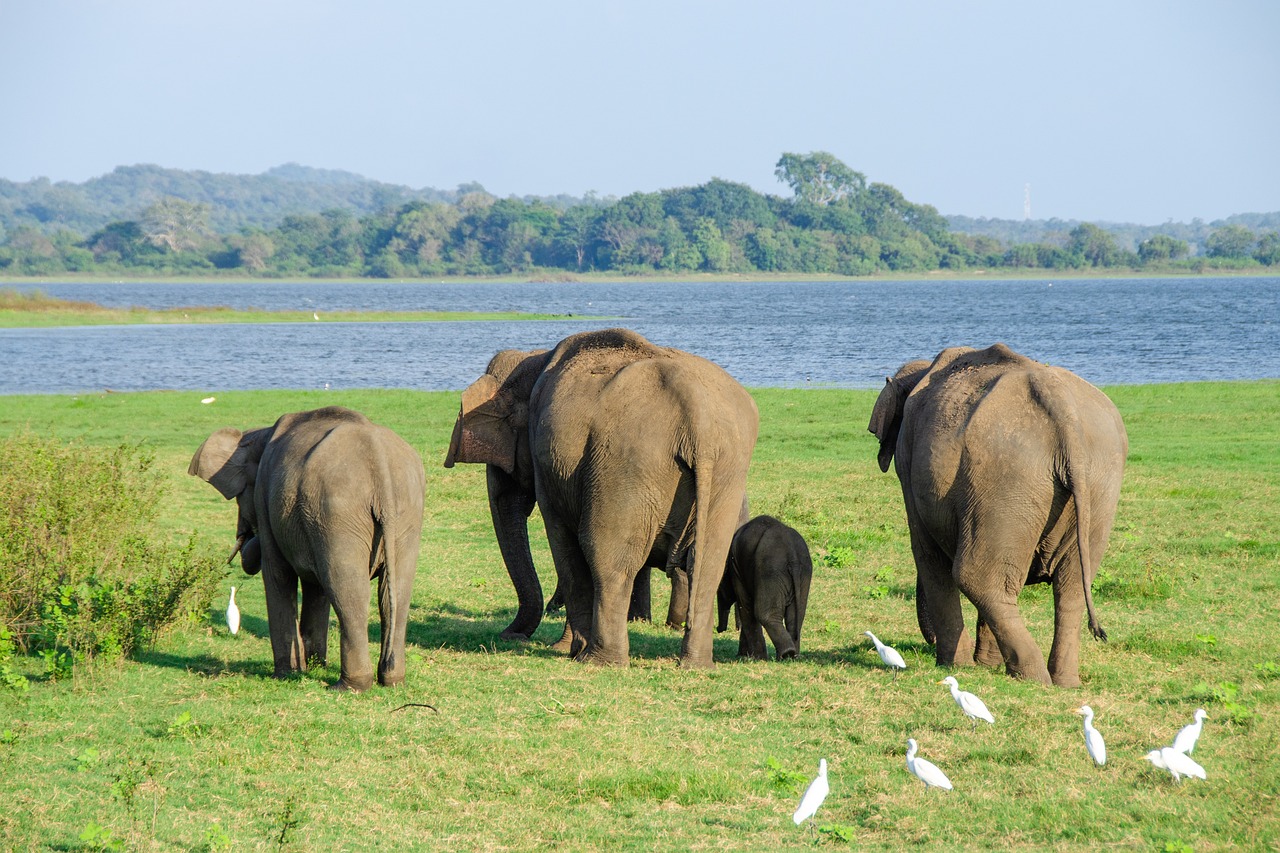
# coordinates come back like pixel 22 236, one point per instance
pixel 1084 522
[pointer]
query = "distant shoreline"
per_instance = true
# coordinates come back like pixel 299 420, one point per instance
pixel 559 277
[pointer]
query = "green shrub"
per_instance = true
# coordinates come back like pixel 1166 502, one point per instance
pixel 80 572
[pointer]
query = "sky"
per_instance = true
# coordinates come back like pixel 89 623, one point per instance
pixel 1141 111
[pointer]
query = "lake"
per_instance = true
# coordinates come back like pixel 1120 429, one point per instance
pixel 847 334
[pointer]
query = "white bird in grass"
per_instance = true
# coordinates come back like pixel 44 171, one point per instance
pixel 972 706
pixel 208 400
pixel 888 655
pixel 924 770
pixel 1175 762
pixel 1093 737
pixel 813 795
pixel 233 614
pixel 1185 742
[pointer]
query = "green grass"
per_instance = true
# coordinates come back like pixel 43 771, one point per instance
pixel 37 310
pixel 529 750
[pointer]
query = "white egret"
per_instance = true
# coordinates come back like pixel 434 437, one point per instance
pixel 972 706
pixel 1093 737
pixel 1175 762
pixel 208 400
pixel 233 613
pixel 888 655
pixel 924 770
pixel 315 316
pixel 813 795
pixel 1185 742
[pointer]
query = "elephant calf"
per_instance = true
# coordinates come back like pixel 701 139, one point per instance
pixel 767 576
pixel 329 499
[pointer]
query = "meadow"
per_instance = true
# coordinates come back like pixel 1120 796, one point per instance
pixel 191 745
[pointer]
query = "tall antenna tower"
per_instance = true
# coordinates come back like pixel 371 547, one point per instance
pixel 1026 202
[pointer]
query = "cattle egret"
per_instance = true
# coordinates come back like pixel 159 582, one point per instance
pixel 813 795
pixel 1175 762
pixel 972 706
pixel 1093 737
pixel 315 316
pixel 888 655
pixel 208 400
pixel 1185 742
pixel 233 613
pixel 924 770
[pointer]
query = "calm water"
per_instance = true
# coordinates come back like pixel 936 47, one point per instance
pixel 844 334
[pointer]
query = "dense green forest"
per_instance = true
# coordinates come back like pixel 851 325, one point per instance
pixel 299 222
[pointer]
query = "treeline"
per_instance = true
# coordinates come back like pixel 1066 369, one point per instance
pixel 835 222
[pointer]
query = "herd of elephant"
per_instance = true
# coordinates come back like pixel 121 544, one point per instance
pixel 636 456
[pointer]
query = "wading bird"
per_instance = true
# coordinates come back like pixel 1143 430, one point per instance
pixel 924 770
pixel 1093 737
pixel 233 614
pixel 1175 762
pixel 1185 742
pixel 888 655
pixel 972 706
pixel 813 795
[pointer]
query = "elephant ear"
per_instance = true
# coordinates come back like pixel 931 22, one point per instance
pixel 228 460
pixel 488 425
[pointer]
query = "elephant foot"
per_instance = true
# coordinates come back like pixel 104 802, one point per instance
pixel 1040 674
pixel 674 626
pixel 394 679
pixel 988 657
pixel 1067 679
pixel 518 636
pixel 595 659
pixel 697 663
pixel 788 654
pixel 353 686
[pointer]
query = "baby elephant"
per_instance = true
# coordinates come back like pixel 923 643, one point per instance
pixel 767 575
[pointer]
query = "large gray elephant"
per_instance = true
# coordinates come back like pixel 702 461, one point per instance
pixel 767 575
pixel 633 453
pixel 330 500
pixel 1010 471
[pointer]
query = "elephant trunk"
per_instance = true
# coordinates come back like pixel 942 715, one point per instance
pixel 510 507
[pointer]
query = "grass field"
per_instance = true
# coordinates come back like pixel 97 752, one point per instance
pixel 193 746
pixel 33 309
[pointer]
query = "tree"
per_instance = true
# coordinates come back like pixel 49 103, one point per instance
pixel 1230 241
pixel 1268 251
pixel 1097 247
pixel 176 225
pixel 818 177
pixel 1160 248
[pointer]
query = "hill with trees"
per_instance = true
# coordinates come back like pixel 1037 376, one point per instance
pixel 297 222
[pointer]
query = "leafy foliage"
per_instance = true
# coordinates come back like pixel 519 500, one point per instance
pixel 303 222
pixel 80 572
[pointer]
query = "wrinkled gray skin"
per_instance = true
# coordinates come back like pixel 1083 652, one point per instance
pixel 1010 472
pixel 329 500
pixel 767 576
pixel 632 453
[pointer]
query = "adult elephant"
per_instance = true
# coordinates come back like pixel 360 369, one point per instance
pixel 328 500
pixel 1010 471
pixel 633 453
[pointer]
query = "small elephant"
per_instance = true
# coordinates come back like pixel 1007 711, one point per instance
pixel 767 576
pixel 1010 472
pixel 329 499
pixel 632 452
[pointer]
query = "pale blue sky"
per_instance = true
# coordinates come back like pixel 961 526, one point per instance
pixel 1138 111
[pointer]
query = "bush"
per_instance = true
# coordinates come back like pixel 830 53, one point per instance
pixel 80 573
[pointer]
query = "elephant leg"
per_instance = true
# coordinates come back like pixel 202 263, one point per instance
pixel 314 623
pixel 609 644
pixel 784 645
pixel 942 599
pixel 395 581
pixel 640 608
pixel 991 573
pixel 987 650
pixel 710 551
pixel 751 636
pixel 352 606
pixel 1068 614
pixel 280 584
pixel 678 607
pixel 574 578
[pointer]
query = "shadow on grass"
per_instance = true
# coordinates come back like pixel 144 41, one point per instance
pixel 205 664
